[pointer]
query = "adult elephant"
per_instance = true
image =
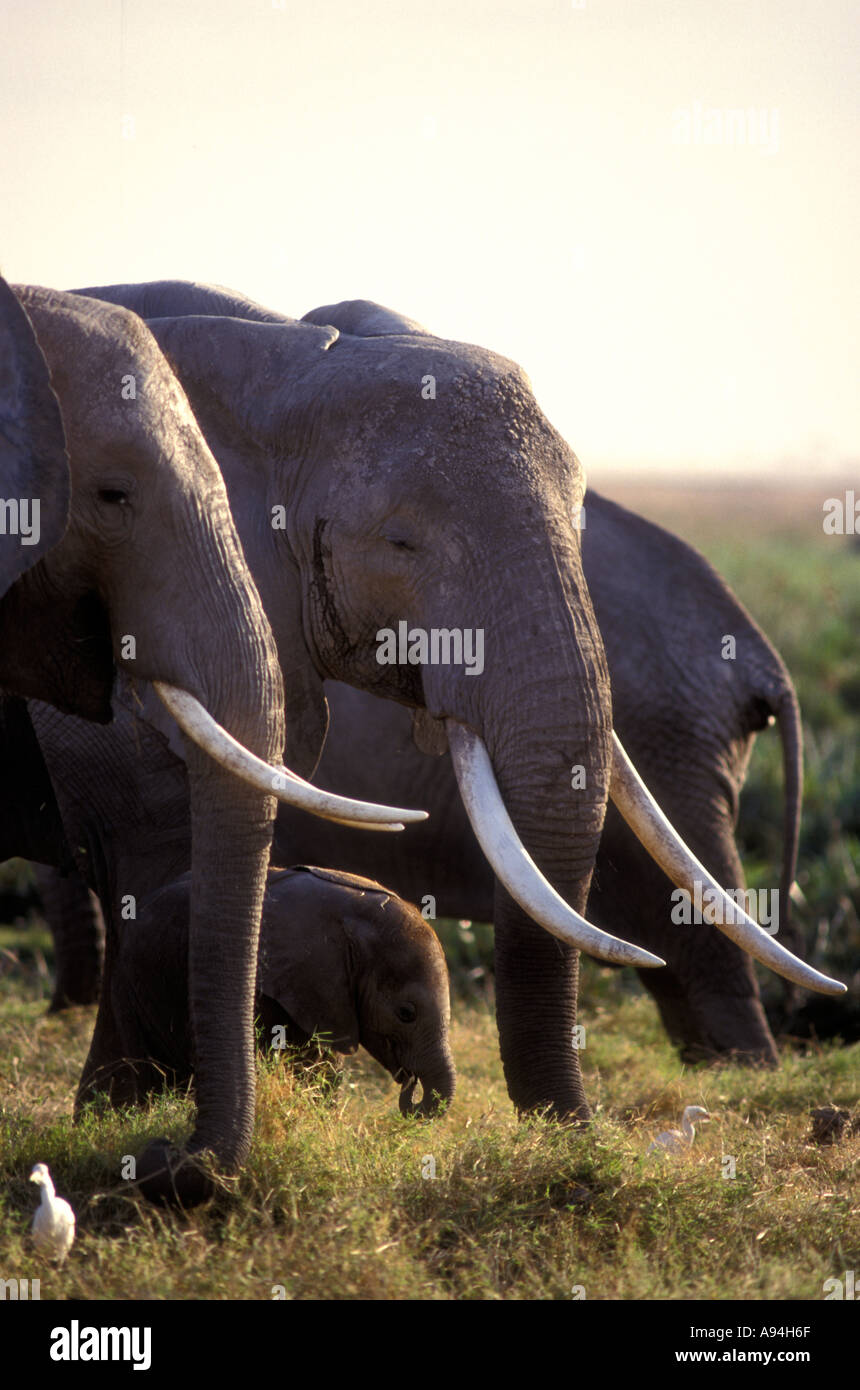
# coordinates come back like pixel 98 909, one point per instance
pixel 375 481
pixel 686 714
pixel 688 720
pixel 118 550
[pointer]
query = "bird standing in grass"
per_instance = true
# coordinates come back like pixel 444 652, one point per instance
pixel 673 1141
pixel 54 1222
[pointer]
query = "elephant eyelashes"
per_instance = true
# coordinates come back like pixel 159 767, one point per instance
pixel 407 1013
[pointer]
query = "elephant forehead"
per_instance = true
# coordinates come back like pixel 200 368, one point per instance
pixel 473 376
pixel 114 382
pixel 491 426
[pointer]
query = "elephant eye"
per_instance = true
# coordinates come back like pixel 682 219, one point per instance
pixel 399 543
pixel 114 495
pixel 407 1013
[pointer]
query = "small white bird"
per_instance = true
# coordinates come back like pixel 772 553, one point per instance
pixel 54 1222
pixel 673 1141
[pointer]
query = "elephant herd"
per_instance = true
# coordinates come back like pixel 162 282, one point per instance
pixel 211 513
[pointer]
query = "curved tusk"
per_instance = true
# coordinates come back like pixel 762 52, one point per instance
pixel 665 845
pixel 514 866
pixel 277 781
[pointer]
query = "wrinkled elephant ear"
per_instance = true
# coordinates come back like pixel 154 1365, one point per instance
pixel 361 318
pixel 35 485
pixel 244 380
pixel 305 956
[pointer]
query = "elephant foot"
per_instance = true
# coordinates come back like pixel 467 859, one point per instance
pixel 733 1028
pixel 74 989
pixel 170 1176
pixel 711 1028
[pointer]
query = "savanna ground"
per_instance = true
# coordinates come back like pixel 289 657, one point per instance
pixel 343 1199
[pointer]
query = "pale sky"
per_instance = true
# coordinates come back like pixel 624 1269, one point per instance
pixel 559 183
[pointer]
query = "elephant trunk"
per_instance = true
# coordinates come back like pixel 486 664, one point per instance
pixel 551 756
pixel 438 1083
pixel 234 673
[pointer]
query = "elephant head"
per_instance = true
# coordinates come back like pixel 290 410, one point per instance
pixel 119 551
pixel 398 494
pixel 345 957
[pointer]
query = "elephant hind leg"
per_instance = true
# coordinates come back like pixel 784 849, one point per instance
pixel 74 916
pixel 707 994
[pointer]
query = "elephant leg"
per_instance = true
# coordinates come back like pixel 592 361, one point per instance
pixel 708 996
pixel 109 1070
pixel 74 916
pixel 676 1014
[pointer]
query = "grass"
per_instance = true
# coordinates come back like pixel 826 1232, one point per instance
pixel 337 1200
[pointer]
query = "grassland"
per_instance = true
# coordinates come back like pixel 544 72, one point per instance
pixel 343 1199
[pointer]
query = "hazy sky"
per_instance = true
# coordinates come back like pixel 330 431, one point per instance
pixel 560 183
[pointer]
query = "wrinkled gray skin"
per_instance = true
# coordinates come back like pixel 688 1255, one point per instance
pixel 137 539
pixel 79 949
pixel 687 718
pixel 398 508
pixel 339 955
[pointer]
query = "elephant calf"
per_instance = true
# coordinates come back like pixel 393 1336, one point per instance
pixel 339 955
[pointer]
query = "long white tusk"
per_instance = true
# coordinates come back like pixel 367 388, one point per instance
pixel 277 781
pixel 665 845
pixel 514 866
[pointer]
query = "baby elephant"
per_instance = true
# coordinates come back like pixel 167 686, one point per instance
pixel 339 955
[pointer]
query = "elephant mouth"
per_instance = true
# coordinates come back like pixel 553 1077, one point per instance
pixel 407 1081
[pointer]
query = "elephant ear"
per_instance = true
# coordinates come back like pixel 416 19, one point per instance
pixel 361 318
pixel 306 956
pixel 246 385
pixel 159 299
pixel 35 484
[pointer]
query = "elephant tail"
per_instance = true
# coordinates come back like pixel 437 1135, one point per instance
pixel 787 712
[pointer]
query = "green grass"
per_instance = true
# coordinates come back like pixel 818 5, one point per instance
pixel 333 1202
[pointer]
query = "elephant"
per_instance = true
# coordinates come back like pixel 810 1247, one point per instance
pixel 119 554
pixel 688 720
pixel 340 956
pixel 661 609
pixel 376 482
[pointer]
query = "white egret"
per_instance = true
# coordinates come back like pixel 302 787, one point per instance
pixel 677 1141
pixel 54 1222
